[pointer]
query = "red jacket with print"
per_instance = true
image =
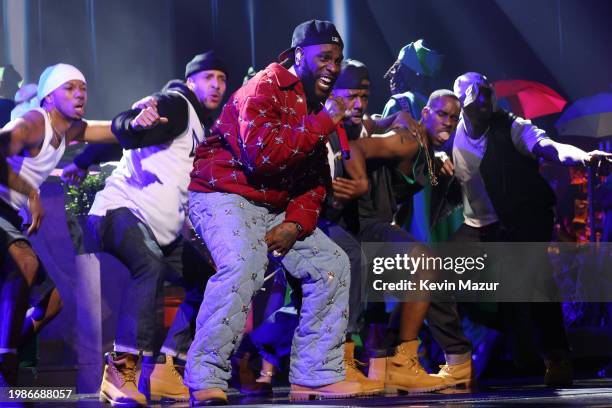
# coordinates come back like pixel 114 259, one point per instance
pixel 267 148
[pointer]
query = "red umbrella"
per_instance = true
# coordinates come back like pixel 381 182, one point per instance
pixel 529 99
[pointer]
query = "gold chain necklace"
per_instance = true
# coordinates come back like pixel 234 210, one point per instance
pixel 433 180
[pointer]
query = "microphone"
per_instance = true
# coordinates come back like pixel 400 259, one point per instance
pixel 343 139
pixel 344 145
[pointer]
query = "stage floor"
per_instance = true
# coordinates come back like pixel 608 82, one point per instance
pixel 585 393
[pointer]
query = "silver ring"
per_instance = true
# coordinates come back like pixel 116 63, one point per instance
pixel 276 253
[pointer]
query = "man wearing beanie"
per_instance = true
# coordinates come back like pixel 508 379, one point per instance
pixel 257 187
pixel 138 217
pixel 30 148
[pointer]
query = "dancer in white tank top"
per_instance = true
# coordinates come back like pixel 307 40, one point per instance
pixel 30 148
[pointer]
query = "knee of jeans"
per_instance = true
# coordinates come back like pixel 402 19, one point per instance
pixel 151 268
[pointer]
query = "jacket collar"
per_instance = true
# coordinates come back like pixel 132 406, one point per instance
pixel 284 78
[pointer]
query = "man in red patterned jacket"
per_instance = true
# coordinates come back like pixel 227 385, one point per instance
pixel 257 188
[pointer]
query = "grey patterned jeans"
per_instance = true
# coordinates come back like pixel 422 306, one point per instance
pixel 234 229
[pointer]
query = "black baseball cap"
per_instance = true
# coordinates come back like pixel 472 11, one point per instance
pixel 312 32
pixel 353 75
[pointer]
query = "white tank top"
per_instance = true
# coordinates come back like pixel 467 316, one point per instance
pixel 34 170
pixel 152 182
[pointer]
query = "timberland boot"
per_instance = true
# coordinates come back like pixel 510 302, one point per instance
pixel 163 381
pixel 119 382
pixel 340 389
pixel 211 396
pixel 457 376
pixel 404 372
pixel 370 386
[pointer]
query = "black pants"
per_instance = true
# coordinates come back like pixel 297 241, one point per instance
pixel 546 319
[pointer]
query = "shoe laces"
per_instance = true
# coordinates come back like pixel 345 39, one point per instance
pixel 405 359
pixel 352 365
pixel 176 373
pixel 445 369
pixel 127 374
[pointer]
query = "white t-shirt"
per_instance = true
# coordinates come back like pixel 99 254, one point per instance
pixel 467 156
pixel 34 170
pixel 152 182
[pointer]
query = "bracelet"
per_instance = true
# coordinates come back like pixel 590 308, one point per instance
pixel 298 226
pixel 266 373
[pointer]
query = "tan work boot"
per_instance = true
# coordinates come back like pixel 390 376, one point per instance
pixel 119 382
pixel 163 382
pixel 211 396
pixel 459 376
pixel 404 372
pixel 340 389
pixel 370 386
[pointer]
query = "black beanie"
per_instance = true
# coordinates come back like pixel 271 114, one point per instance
pixel 353 75
pixel 204 62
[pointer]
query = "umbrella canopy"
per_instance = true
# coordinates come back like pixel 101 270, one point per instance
pixel 589 117
pixel 528 99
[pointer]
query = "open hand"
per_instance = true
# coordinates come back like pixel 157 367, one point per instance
pixel 73 175
pixel 348 189
pixel 597 156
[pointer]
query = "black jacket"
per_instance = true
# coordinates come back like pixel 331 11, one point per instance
pixel 169 105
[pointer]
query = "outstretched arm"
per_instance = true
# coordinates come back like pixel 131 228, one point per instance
pixel 566 154
pixel 396 144
pixel 91 131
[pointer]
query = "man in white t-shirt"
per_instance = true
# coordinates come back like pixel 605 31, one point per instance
pixel 505 199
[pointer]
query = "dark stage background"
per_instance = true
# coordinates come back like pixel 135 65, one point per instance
pixel 130 48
